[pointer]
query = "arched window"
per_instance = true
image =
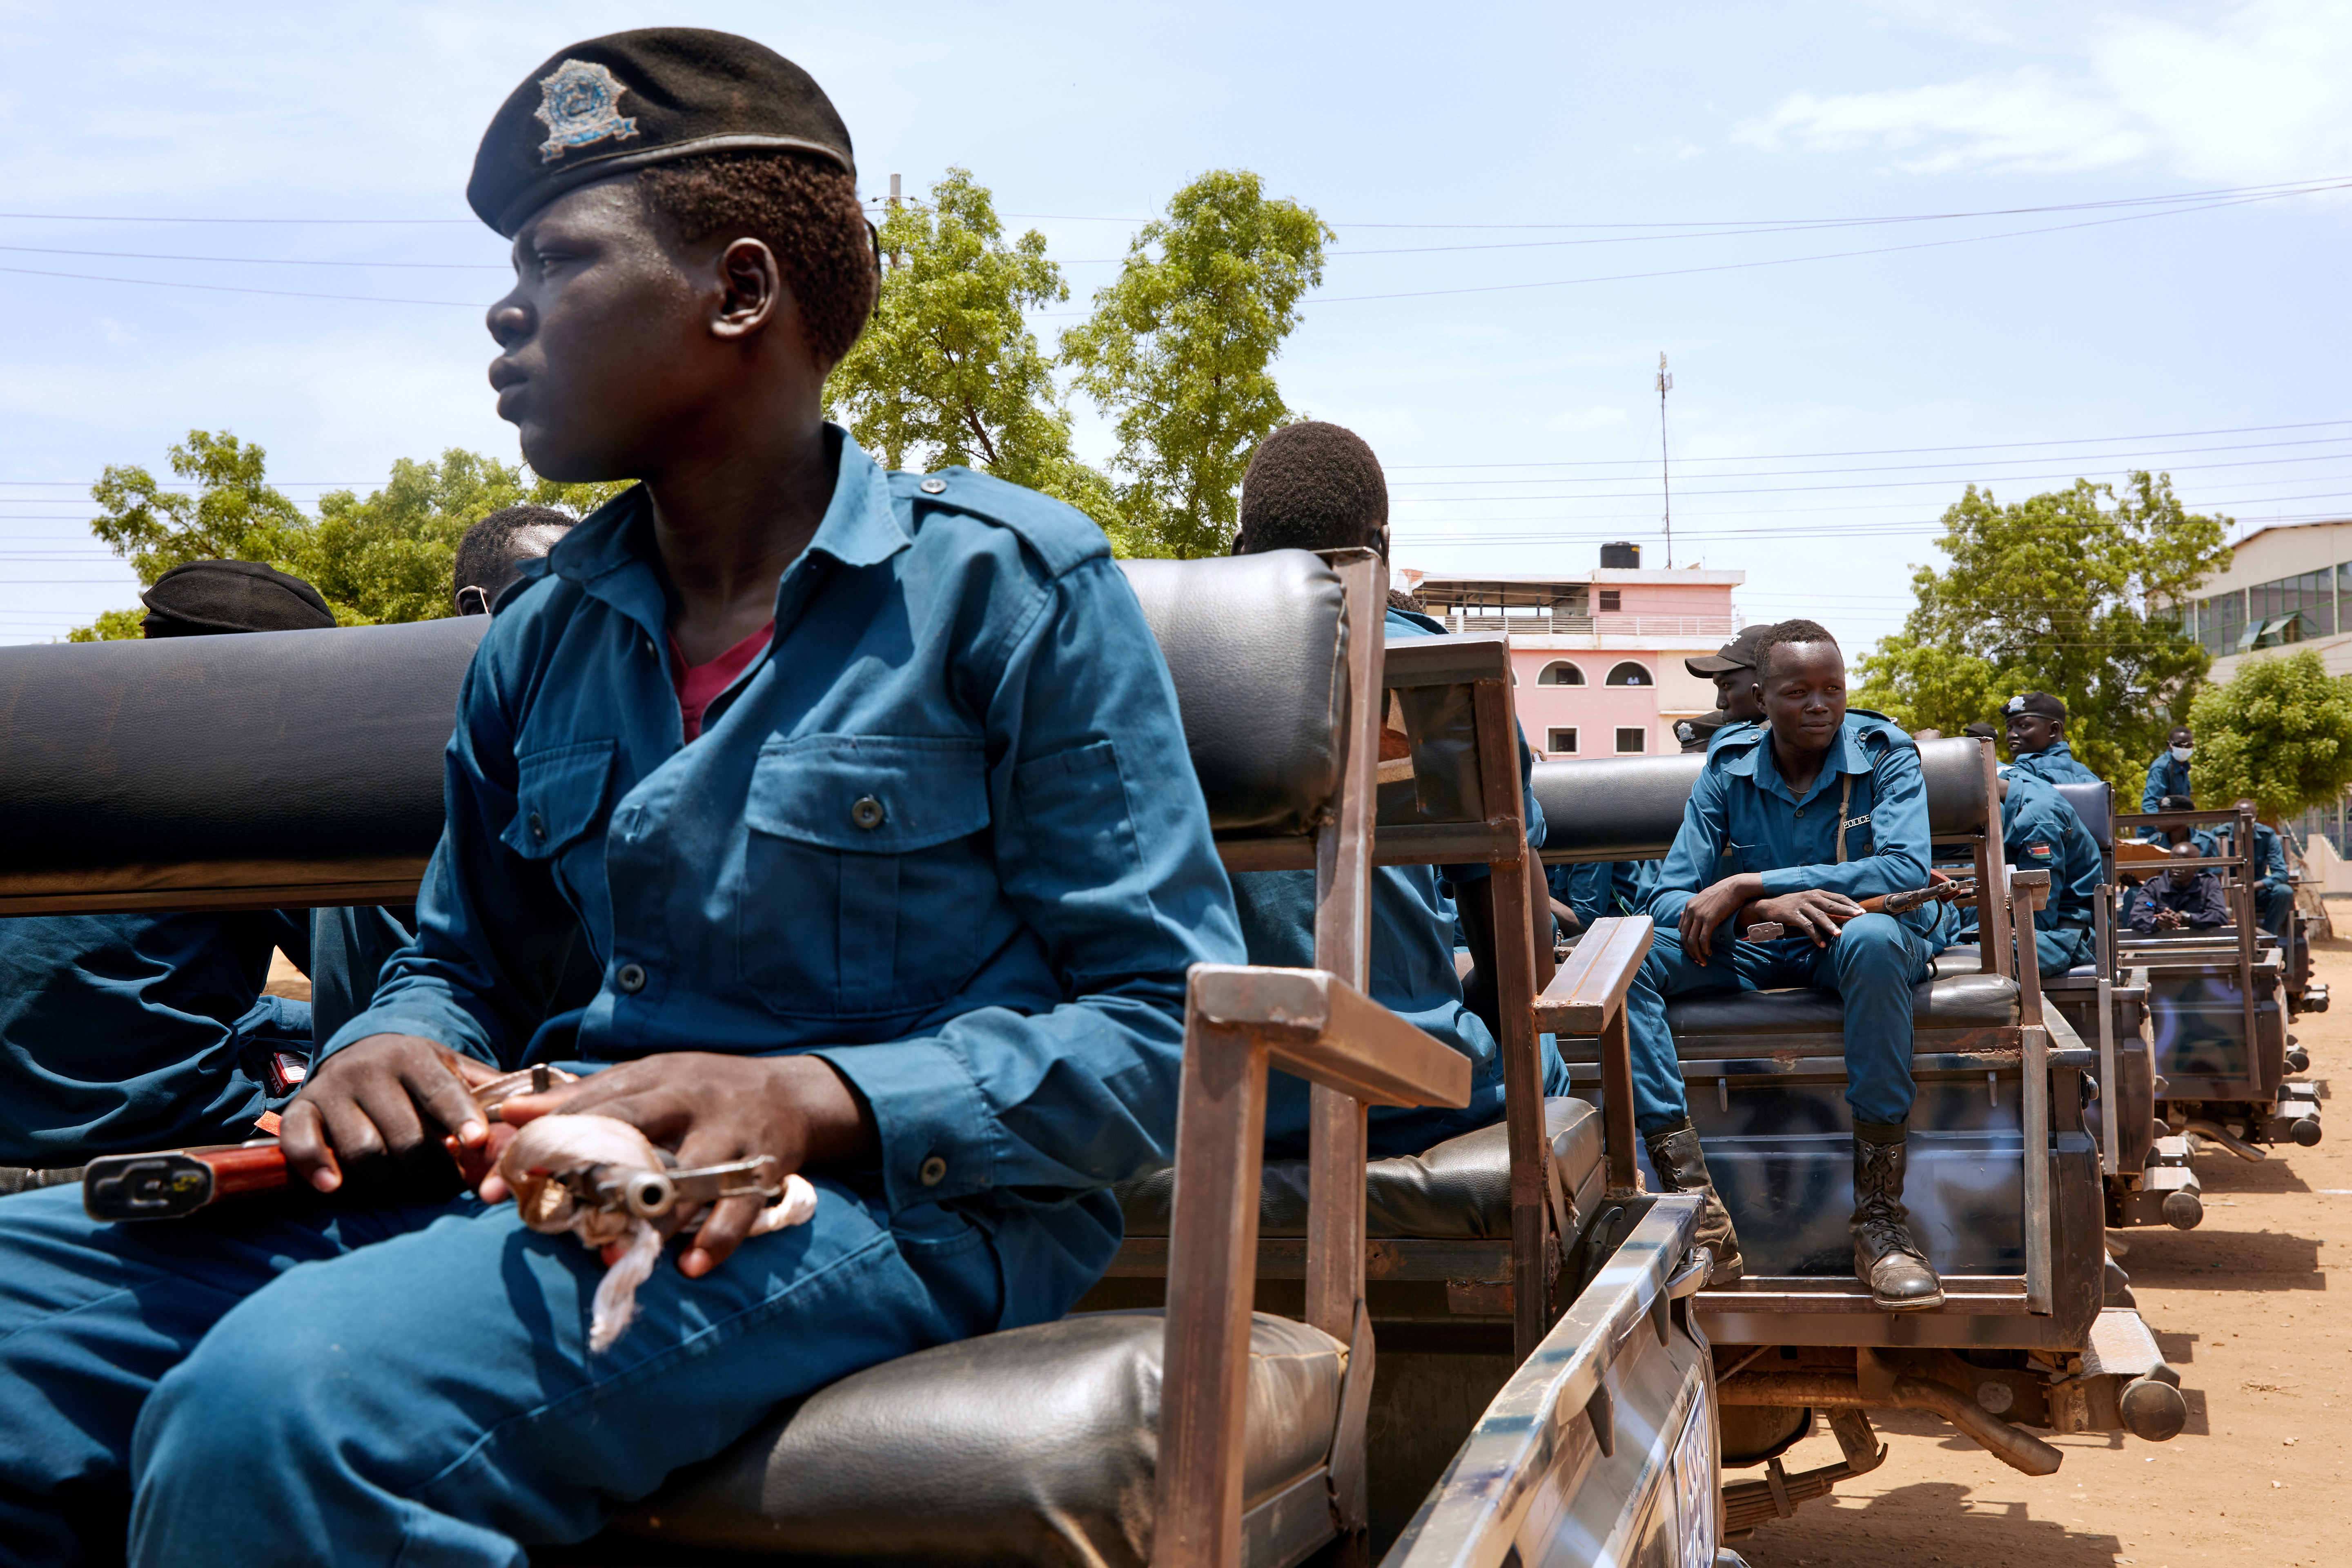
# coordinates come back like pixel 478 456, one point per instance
pixel 1561 673
pixel 1631 673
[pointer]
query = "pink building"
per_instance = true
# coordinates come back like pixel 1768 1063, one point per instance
pixel 1598 656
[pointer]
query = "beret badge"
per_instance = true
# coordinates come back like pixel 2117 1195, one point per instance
pixel 580 105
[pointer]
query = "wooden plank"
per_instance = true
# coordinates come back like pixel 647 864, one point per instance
pixel 1992 872
pixel 1591 982
pixel 1343 927
pixel 1424 843
pixel 1327 1032
pixel 1454 660
pixel 1220 1131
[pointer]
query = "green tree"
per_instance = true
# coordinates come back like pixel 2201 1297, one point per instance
pixel 2066 592
pixel 1179 349
pixel 2278 732
pixel 947 371
pixel 388 557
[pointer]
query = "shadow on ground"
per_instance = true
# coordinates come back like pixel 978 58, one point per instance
pixel 1931 1522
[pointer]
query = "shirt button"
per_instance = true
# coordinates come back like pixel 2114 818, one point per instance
pixel 538 827
pixel 934 1172
pixel 1801 811
pixel 934 486
pixel 867 812
pixel 631 978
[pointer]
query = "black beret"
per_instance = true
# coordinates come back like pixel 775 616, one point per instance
pixel 1739 653
pixel 236 596
pixel 1981 732
pixel 1695 735
pixel 627 100
pixel 2040 702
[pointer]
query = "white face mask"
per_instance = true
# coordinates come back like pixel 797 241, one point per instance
pixel 2181 753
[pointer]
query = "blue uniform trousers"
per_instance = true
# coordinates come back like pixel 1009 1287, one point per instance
pixel 288 1380
pixel 1872 965
pixel 2273 902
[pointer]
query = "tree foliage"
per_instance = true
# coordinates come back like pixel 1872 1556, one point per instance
pixel 2066 592
pixel 384 557
pixel 1179 351
pixel 947 371
pixel 2278 732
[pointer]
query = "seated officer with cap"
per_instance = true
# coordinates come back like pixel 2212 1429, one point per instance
pixel 2273 883
pixel 2039 832
pixel 120 1033
pixel 1796 821
pixel 2168 777
pixel 2037 740
pixel 1732 667
pixel 350 944
pixel 943 696
pixel 1313 486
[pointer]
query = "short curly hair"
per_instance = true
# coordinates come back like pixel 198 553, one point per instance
pixel 802 208
pixel 1313 486
pixel 1787 632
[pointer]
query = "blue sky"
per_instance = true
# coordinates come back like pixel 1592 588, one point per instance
pixel 1824 411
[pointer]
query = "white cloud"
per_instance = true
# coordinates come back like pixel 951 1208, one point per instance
pixel 2258 93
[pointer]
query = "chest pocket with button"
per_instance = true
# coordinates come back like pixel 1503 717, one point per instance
pixel 558 797
pixel 867 878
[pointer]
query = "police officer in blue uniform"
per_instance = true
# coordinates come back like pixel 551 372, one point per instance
pixel 127 1032
pixel 1318 486
pixel 2037 740
pixel 1796 821
pixel 2041 832
pixel 947 703
pixel 2273 883
pixel 350 943
pixel 2168 776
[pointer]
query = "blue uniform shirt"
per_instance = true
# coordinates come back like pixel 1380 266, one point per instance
pixel 1742 816
pixel 2039 832
pixel 2054 764
pixel 2165 775
pixel 1598 889
pixel 121 1032
pixel 2269 857
pixel 944 833
pixel 1412 974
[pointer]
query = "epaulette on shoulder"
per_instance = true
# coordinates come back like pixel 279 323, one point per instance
pixel 1734 739
pixel 1059 534
pixel 1878 731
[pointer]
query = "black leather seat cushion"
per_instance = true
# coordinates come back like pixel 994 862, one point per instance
pixel 2093 804
pixel 1036 1445
pixel 1459 1190
pixel 267 749
pixel 1961 1001
pixel 1257 647
pixel 1630 809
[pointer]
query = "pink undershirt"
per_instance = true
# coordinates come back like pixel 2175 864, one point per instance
pixel 698 685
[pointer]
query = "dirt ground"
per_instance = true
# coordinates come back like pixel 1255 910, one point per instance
pixel 2244 1309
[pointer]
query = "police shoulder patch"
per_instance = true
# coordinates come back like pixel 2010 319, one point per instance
pixel 580 104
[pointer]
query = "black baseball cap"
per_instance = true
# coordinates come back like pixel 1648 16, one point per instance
pixel 629 99
pixel 1739 653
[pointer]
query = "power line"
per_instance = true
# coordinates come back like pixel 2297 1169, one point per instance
pixel 1903 451
pixel 1871 485
pixel 231 289
pixel 1789 260
pixel 258 260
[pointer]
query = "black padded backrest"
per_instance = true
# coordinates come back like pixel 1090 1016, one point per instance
pixel 1630 809
pixel 2092 804
pixel 1614 809
pixel 266 758
pixel 1257 647
pixel 1954 771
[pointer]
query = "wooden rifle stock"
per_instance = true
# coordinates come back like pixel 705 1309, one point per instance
pixel 1896 903
pixel 179 1182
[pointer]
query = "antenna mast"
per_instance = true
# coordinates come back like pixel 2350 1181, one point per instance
pixel 1665 479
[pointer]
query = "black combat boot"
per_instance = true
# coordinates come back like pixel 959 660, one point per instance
pixel 1885 1259
pixel 1675 1155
